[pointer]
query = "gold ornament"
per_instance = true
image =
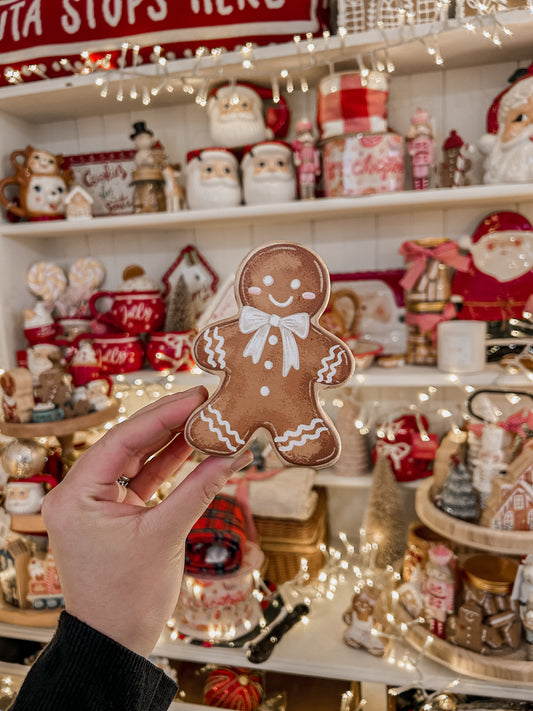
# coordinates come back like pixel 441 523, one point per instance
pixel 23 457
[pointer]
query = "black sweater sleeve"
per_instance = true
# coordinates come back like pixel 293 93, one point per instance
pixel 83 670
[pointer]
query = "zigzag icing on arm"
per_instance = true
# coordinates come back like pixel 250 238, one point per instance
pixel 328 370
pixel 208 342
pixel 219 348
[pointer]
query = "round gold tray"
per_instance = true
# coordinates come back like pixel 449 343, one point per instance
pixel 60 428
pixel 469 534
pixel 29 617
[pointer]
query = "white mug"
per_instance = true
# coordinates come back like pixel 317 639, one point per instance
pixel 461 346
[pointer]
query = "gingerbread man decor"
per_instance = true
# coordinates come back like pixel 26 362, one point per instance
pixel 273 357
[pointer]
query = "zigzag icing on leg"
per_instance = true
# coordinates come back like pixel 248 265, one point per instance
pixel 303 434
pixel 328 370
pixel 214 351
pixel 303 440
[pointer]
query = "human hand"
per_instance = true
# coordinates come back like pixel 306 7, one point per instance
pixel 120 562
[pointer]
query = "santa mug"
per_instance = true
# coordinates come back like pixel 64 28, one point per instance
pixel 212 179
pixel 25 496
pixel 268 173
pixel 132 312
pixel 119 353
pixel 170 350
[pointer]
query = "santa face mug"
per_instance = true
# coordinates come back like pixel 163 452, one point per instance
pixel 212 179
pixel 268 174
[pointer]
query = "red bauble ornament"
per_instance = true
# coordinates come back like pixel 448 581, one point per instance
pixel 233 688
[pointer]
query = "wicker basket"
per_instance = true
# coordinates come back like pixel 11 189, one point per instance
pixel 286 541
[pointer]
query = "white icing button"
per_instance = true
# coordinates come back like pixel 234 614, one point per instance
pixel 272 340
pixel 269 364
pixel 265 391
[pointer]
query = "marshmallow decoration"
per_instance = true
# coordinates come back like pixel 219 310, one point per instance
pixel 350 103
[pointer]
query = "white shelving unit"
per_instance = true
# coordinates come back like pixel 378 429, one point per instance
pixel 352 235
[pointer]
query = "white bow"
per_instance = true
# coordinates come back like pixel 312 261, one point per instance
pixel 258 322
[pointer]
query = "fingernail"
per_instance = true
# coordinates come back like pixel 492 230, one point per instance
pixel 242 461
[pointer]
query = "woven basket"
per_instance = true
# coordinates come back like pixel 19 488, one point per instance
pixel 286 541
pixel 286 530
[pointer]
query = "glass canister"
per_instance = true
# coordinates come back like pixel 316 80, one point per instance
pixel 421 319
pixel 430 264
pixel 149 190
pixel 488 620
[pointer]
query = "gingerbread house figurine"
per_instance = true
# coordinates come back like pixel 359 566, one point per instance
pixel 17 395
pixel 510 504
pixel 78 203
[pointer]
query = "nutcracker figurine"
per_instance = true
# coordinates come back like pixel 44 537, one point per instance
pixel 306 159
pixel 421 148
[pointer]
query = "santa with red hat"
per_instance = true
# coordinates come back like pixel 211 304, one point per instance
pixel 237 118
pixel 212 179
pixel 499 281
pixel 508 143
pixel 268 173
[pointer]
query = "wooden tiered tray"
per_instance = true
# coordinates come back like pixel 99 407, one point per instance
pixel 469 534
pixel 63 430
pixel 510 668
pixel 28 617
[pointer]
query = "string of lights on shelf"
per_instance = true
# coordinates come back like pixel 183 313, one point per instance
pixel 129 78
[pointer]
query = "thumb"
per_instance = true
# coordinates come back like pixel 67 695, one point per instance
pixel 189 500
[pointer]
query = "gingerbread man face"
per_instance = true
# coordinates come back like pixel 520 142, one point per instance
pixel 273 358
pixel 285 279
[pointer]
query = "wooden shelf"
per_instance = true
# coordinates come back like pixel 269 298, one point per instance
pixel 317 650
pixel 77 96
pixel 470 534
pixel 289 212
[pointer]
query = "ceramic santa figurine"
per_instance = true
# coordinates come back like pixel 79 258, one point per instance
pixel 421 148
pixel 268 173
pixel 499 280
pixel 508 143
pixel 306 159
pixel 212 177
pixel 236 116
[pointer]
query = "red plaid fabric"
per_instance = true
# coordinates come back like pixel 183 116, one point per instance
pixel 222 525
pixel 345 105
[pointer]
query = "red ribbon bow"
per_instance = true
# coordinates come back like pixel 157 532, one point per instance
pixel 417 256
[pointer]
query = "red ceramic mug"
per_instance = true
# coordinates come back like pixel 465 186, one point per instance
pixel 42 334
pixel 84 374
pixel 170 350
pixel 132 312
pixel 119 353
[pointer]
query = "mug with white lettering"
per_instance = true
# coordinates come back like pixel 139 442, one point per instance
pixel 131 311
pixel 118 353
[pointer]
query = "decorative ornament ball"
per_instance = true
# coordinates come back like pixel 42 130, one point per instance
pixel 23 458
pixel 444 701
pixel 233 688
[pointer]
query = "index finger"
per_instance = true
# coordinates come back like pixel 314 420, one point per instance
pixel 125 448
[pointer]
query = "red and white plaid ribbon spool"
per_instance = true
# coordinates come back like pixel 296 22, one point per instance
pixel 351 103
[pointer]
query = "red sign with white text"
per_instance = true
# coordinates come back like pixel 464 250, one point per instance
pixel 31 33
